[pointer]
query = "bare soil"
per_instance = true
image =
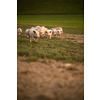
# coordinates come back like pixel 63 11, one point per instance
pixel 49 80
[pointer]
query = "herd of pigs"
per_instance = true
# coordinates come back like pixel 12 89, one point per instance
pixel 41 31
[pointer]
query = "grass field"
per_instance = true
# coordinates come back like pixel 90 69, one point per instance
pixel 58 59
pixel 75 21
pixel 50 6
pixel 55 48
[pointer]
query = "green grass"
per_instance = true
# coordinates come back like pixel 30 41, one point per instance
pixel 50 6
pixel 69 21
pixel 72 24
pixel 55 48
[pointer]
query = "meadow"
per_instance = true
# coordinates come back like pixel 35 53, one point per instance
pixel 71 23
pixel 50 49
pixel 55 48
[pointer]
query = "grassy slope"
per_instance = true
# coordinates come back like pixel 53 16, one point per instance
pixel 55 48
pixel 50 6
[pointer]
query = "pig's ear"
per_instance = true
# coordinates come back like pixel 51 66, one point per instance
pixel 34 32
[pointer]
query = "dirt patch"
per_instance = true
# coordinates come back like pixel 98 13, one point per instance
pixel 77 38
pixel 50 80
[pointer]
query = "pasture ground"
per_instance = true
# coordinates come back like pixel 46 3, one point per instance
pixel 57 76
